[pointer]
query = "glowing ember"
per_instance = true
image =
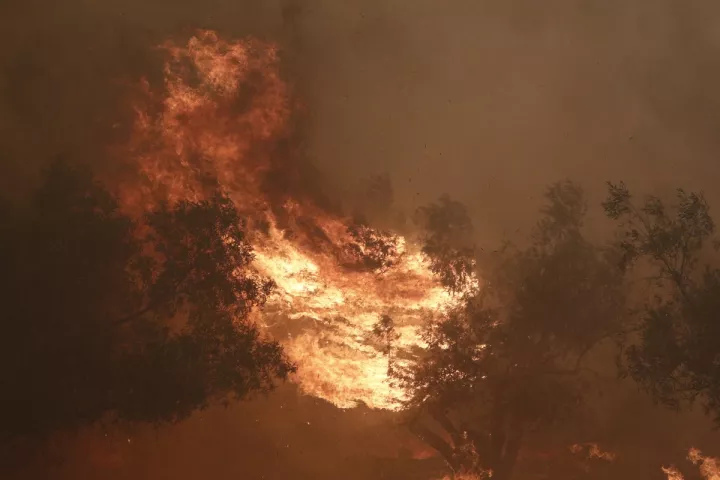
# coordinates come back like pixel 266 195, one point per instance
pixel 219 120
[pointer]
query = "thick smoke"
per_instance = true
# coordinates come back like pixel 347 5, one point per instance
pixel 488 100
pixel 492 100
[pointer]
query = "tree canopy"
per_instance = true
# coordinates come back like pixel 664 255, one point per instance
pixel 447 241
pixel 107 317
pixel 110 317
pixel 676 355
pixel 510 360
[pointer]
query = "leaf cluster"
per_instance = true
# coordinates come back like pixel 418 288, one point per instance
pixel 676 356
pixel 112 317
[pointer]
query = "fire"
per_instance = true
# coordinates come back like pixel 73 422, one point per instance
pixel 223 118
pixel 336 359
pixel 592 450
pixel 709 467
pixel 672 473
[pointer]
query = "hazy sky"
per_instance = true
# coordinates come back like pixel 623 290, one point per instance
pixel 486 100
pixel 490 100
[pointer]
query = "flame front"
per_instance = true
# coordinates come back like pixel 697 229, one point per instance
pixel 222 119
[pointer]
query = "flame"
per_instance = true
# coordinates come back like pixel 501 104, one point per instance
pixel 593 451
pixel 672 473
pixel 223 118
pixel 709 466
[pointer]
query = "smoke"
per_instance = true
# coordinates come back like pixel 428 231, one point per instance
pixel 493 100
pixel 488 100
pixel 68 67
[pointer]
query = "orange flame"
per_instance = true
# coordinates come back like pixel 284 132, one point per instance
pixel 218 122
pixel 592 450
pixel 709 466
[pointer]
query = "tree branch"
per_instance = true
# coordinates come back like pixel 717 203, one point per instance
pixel 510 455
pixel 134 316
pixel 437 413
pixel 435 441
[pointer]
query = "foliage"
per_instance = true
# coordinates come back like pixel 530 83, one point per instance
pixel 110 318
pixel 370 249
pixel 448 241
pixel 677 357
pixel 511 360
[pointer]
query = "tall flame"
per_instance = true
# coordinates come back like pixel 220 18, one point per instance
pixel 223 118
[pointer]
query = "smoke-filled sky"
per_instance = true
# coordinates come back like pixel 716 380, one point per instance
pixel 491 100
pixel 486 100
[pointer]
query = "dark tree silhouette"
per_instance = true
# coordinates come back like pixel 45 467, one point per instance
pixel 106 318
pixel 677 355
pixel 448 241
pixel 511 360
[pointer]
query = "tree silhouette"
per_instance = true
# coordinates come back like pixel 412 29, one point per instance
pixel 448 241
pixel 106 318
pixel 677 355
pixel 511 360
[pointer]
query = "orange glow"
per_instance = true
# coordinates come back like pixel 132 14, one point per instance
pixel 709 466
pixel 592 450
pixel 672 473
pixel 222 118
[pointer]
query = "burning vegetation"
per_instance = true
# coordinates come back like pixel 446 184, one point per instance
pixel 223 121
pixel 709 467
pixel 215 267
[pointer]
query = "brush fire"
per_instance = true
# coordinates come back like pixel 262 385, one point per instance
pixel 223 119
pixel 709 467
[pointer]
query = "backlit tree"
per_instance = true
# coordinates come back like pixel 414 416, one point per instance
pixel 108 318
pixel 511 361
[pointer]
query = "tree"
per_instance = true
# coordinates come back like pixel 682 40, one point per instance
pixel 676 356
pixel 106 317
pixel 510 360
pixel 448 241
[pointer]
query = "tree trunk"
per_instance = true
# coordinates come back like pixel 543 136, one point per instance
pixel 474 452
pixel 439 415
pixel 506 463
pixel 512 433
pixel 435 441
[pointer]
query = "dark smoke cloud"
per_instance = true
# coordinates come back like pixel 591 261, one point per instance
pixel 488 100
